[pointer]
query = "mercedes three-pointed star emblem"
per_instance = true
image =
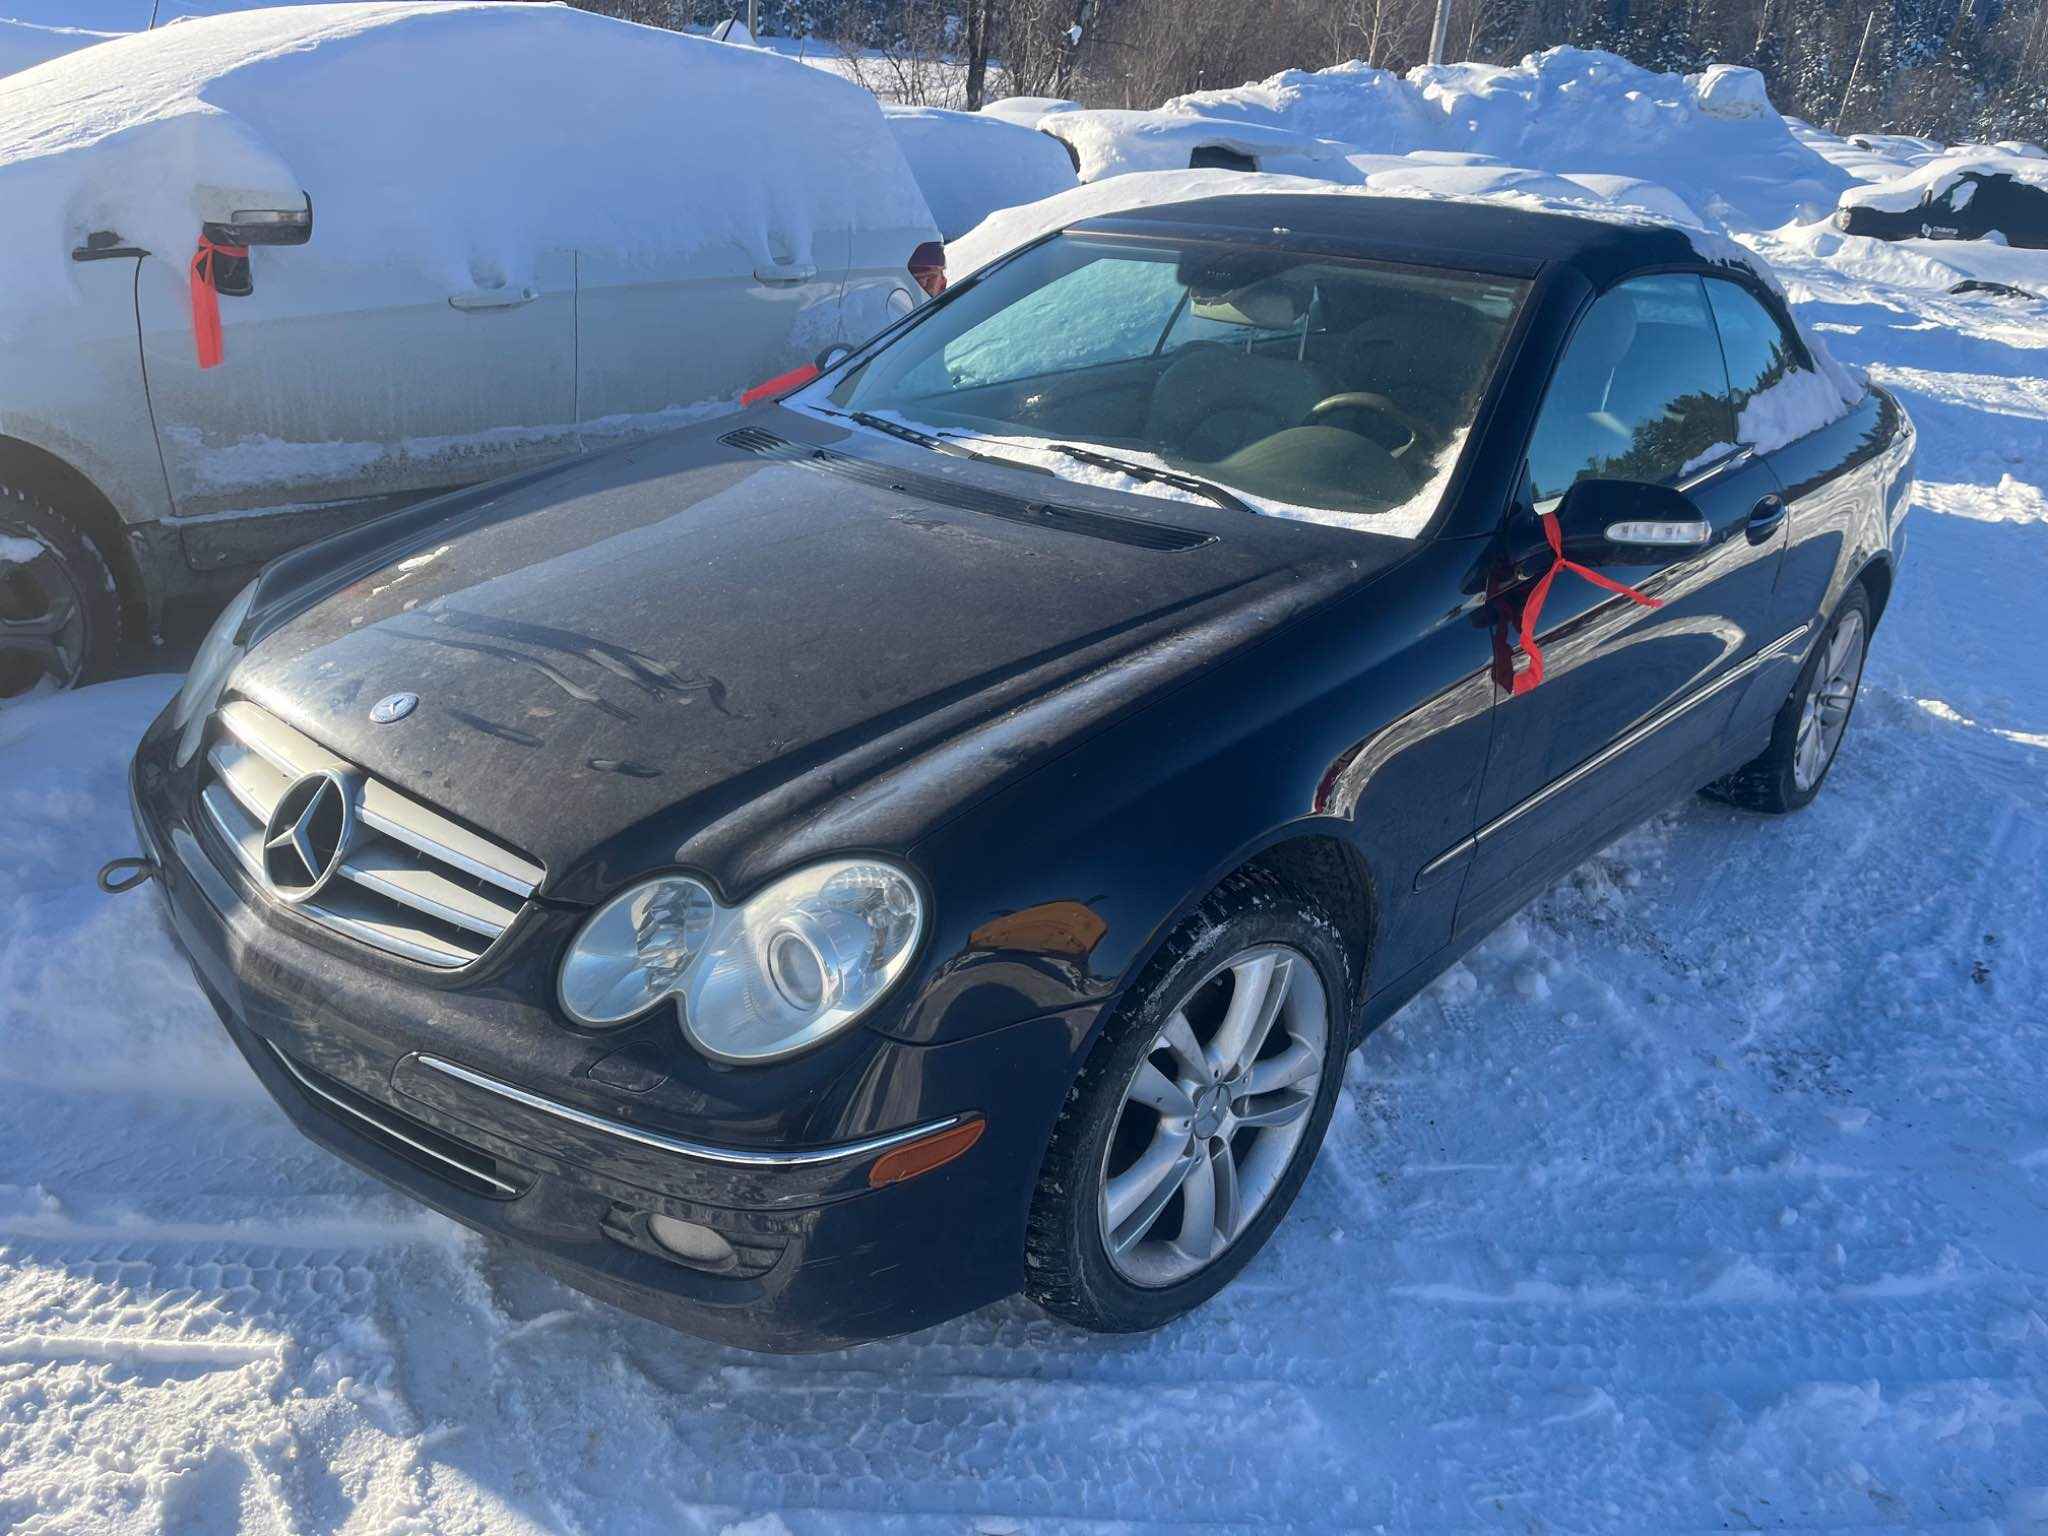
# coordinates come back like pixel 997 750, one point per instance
pixel 307 835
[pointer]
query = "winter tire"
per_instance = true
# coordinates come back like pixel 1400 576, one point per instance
pixel 1190 1129
pixel 60 619
pixel 1809 729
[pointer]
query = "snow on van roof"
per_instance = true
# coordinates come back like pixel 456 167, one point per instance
pixel 466 138
pixel 969 164
pixel 24 44
pixel 1713 138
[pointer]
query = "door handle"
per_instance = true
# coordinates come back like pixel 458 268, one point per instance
pixel 492 298
pixel 783 276
pixel 1765 519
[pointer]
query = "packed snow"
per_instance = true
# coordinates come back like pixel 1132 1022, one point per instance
pixel 266 105
pixel 1707 1194
pixel 969 165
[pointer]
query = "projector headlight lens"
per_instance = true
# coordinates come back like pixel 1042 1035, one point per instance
pixel 784 972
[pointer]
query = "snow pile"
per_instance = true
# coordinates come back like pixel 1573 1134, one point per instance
pixel 1115 143
pixel 1371 109
pixel 968 165
pixel 23 44
pixel 444 137
pixel 1712 138
pixel 1027 111
pixel 1936 175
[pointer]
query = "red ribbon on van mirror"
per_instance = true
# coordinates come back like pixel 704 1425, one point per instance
pixel 206 338
pixel 1523 680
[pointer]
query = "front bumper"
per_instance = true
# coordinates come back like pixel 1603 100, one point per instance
pixel 418 1085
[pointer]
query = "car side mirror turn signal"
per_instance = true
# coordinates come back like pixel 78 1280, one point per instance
pixel 1625 522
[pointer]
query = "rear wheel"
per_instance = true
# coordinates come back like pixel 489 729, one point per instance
pixel 1809 728
pixel 60 619
pixel 1191 1128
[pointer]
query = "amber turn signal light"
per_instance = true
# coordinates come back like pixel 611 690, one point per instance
pixel 934 1151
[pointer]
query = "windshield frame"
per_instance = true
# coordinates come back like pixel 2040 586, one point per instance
pixel 814 396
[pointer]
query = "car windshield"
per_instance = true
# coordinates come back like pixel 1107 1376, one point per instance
pixel 1270 381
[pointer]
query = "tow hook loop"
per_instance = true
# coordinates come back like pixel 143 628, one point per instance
pixel 118 875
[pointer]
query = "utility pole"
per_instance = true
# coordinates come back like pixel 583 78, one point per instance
pixel 753 21
pixel 1849 89
pixel 1440 31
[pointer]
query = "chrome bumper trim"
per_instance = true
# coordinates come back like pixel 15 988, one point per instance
pixel 731 1157
pixel 387 1128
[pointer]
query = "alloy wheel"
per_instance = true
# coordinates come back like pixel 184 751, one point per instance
pixel 1824 713
pixel 1212 1117
pixel 42 619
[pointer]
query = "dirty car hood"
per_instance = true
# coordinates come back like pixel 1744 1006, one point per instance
pixel 683 630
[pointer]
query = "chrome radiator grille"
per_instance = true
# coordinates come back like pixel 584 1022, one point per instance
pixel 380 867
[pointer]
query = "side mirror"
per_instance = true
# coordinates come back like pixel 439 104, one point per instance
pixel 1624 522
pixel 229 216
pixel 832 356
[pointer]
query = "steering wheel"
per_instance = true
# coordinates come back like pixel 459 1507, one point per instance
pixel 1419 431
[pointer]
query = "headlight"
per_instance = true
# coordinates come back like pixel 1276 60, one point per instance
pixel 794 966
pixel 209 674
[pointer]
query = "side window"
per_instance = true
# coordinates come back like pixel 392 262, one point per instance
pixel 1641 393
pixel 1761 355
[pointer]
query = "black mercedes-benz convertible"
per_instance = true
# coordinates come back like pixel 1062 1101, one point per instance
pixel 939 832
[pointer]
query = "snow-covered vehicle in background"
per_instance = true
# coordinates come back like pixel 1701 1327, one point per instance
pixel 1114 142
pixel 278 272
pixel 1967 194
pixel 969 164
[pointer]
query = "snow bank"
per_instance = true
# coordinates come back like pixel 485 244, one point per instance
pixel 451 138
pixel 1115 143
pixel 968 165
pixel 1712 138
pixel 23 44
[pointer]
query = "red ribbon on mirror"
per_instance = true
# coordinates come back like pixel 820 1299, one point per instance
pixel 206 339
pixel 1522 680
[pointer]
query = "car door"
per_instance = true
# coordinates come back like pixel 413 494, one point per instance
pixel 352 379
pixel 1634 699
pixel 660 334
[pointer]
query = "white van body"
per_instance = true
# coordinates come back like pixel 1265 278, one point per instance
pixel 534 231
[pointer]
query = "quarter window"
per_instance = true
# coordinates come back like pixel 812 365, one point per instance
pixel 1760 352
pixel 1641 394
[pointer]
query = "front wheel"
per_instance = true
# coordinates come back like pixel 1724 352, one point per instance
pixel 1194 1122
pixel 60 621
pixel 1808 731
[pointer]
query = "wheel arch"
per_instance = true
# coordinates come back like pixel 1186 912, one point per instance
pixel 1875 577
pixel 70 493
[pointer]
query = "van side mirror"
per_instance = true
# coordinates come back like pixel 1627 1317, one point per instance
pixel 229 221
pixel 831 356
pixel 1625 522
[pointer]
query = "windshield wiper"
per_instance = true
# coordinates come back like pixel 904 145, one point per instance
pixel 1222 496
pixel 934 442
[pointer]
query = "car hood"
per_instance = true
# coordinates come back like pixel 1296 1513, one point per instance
pixel 707 651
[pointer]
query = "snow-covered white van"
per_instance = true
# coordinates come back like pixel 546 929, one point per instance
pixel 273 273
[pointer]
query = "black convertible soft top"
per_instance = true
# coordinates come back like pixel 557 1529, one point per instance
pixel 1425 231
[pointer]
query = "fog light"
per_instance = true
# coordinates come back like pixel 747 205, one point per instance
pixel 689 1240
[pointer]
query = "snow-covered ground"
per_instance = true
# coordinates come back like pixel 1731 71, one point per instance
pixel 1711 1193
